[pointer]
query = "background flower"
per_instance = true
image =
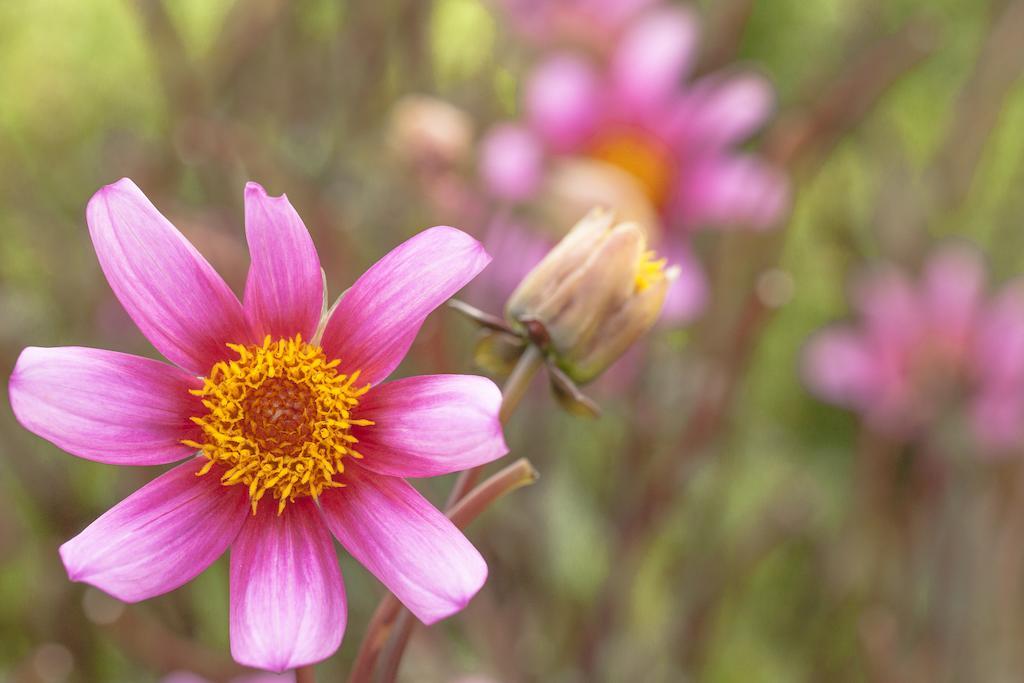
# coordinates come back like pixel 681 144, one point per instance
pixel 623 130
pixel 928 352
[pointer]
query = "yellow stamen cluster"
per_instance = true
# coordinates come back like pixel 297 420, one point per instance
pixel 279 420
pixel 650 271
pixel 641 156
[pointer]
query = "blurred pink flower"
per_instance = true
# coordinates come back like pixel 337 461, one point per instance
pixel 923 349
pixel 623 130
pixel 284 417
pixel 634 113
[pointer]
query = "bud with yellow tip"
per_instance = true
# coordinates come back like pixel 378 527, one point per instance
pixel 593 295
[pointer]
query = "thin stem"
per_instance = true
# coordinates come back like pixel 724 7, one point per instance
pixel 385 618
pixel 305 674
pixel 511 395
pixel 518 474
pixel 519 381
pixel 378 631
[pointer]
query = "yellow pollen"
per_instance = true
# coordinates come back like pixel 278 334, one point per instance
pixel 650 270
pixel 638 154
pixel 279 420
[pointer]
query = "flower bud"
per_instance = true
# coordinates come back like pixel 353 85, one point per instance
pixel 428 131
pixel 594 294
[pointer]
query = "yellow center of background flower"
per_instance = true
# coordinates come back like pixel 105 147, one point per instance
pixel 279 420
pixel 640 156
pixel 649 271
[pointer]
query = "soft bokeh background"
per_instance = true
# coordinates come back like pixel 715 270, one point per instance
pixel 719 523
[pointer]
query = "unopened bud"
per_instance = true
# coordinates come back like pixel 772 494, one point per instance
pixel 595 293
pixel 428 131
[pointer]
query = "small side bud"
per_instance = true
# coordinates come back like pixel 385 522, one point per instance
pixel 426 131
pixel 594 294
pixel 497 352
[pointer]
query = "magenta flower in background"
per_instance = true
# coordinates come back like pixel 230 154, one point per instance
pixel 626 131
pixel 280 411
pixel 925 352
pixel 634 113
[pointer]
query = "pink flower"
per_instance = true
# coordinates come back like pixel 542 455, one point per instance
pixel 623 130
pixel 297 440
pixel 927 352
pixel 632 112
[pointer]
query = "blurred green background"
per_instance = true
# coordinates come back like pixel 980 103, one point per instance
pixel 758 567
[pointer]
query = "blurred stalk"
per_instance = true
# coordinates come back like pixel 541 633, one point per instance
pixel 148 641
pixel 998 68
pixel 243 32
pixel 389 619
pixel 782 520
pixel 305 674
pixel 727 23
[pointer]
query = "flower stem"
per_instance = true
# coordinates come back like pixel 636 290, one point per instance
pixel 518 474
pixel 305 674
pixel 511 395
pixel 519 381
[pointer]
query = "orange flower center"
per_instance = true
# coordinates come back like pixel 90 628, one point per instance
pixel 278 420
pixel 643 157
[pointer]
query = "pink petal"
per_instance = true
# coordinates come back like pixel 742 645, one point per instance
pixel 511 162
pixel 615 13
pixel 175 297
pixel 431 425
pixel 688 295
pixel 287 596
pixel 725 192
pixel 376 321
pixel 654 56
pixel 889 304
pixel 406 543
pixel 999 345
pixel 563 101
pixel 838 366
pixel 517 248
pixel 728 109
pixel 997 418
pixel 954 281
pixel 106 406
pixel 284 293
pixel 160 537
